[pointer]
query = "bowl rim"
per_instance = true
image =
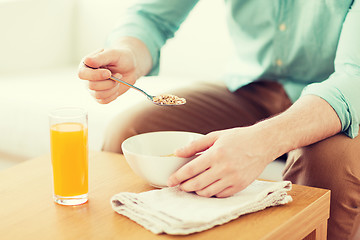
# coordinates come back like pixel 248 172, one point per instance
pixel 155 132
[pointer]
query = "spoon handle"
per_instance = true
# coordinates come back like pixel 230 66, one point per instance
pixel 132 86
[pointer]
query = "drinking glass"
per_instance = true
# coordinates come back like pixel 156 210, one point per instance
pixel 69 155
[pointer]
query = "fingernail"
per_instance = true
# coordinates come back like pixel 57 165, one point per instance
pixel 179 150
pixel 118 75
pixel 170 183
pixel 106 74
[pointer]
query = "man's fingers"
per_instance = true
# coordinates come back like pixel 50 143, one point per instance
pixel 104 94
pixel 200 181
pixel 197 165
pixel 85 60
pixel 86 73
pixel 111 59
pixel 198 145
pixel 213 189
pixel 102 85
pixel 189 170
pixel 227 192
pixel 101 59
pixel 108 99
pixel 93 67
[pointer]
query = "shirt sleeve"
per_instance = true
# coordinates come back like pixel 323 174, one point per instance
pixel 153 22
pixel 342 89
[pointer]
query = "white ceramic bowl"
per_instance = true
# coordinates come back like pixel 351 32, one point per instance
pixel 147 154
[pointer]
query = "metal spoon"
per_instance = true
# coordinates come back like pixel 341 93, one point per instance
pixel 162 100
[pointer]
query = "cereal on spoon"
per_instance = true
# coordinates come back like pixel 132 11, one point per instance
pixel 168 99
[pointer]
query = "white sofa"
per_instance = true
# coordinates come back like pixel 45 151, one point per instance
pixel 42 42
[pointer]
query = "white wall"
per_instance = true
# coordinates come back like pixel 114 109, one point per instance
pixel 202 45
pixel 95 19
pixel 35 34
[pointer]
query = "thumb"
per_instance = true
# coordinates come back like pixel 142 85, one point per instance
pixel 116 60
pixel 101 59
pixel 108 58
pixel 196 146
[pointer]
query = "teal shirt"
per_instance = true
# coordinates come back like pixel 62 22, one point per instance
pixel 310 46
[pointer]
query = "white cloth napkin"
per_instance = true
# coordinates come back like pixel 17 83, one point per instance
pixel 172 211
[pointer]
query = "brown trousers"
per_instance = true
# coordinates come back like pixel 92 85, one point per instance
pixel 333 163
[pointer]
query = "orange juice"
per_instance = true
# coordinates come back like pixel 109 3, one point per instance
pixel 69 155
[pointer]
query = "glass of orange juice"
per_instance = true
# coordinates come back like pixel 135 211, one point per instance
pixel 69 155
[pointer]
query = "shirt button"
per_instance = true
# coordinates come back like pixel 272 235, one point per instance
pixel 279 63
pixel 282 27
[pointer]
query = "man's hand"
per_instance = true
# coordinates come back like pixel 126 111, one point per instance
pixel 128 60
pixel 231 160
pixel 234 158
pixel 97 68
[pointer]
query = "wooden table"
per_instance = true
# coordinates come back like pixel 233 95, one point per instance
pixel 28 212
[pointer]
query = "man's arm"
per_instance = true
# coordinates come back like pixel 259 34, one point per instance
pixel 310 119
pixel 233 158
pixel 342 88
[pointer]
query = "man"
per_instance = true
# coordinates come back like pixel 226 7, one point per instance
pixel 292 90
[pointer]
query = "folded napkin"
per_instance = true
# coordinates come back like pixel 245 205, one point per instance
pixel 172 211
